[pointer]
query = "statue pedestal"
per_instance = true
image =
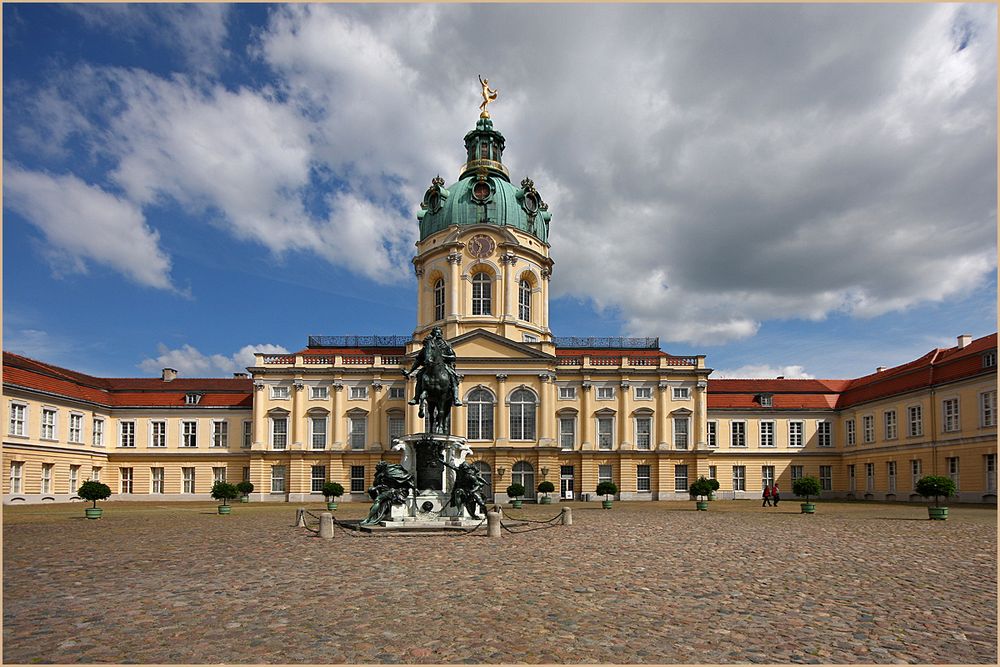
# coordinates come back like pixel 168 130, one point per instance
pixel 422 457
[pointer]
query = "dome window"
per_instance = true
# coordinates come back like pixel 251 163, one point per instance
pixel 482 190
pixel 439 299
pixel 482 294
pixel 524 301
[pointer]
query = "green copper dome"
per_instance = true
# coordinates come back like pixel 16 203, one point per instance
pixel 484 193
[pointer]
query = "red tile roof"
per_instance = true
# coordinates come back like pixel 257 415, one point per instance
pixel 125 392
pixel 785 394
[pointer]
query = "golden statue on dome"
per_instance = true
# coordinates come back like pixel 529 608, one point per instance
pixel 488 96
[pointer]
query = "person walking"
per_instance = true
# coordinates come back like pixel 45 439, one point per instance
pixel 775 497
pixel 766 496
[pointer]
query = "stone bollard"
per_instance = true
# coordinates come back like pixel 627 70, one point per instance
pixel 300 517
pixel 493 524
pixel 567 516
pixel 326 525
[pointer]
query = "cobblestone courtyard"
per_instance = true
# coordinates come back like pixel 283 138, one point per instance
pixel 641 583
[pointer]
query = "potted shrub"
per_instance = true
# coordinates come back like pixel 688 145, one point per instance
pixel 546 487
pixel 334 491
pixel 245 488
pixel 515 491
pixel 805 487
pixel 94 491
pixel 702 488
pixel 225 492
pixel 936 486
pixel 606 489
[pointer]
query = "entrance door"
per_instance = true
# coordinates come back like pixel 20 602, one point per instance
pixel 566 482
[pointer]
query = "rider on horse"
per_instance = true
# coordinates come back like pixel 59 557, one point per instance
pixel 420 361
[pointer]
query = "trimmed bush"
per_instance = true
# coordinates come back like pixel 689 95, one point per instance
pixel 225 492
pixel 245 488
pixel 94 491
pixel 332 490
pixel 606 489
pixel 515 490
pixel 805 487
pixel 935 486
pixel 703 487
pixel 546 487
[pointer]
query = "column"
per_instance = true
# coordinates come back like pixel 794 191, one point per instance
pixel 586 416
pixel 414 424
pixel 624 419
pixel 338 438
pixel 546 415
pixel 509 289
pixel 699 419
pixel 660 419
pixel 454 282
pixel 421 297
pixel 502 422
pixel 376 416
pixel 297 420
pixel 546 275
pixel 259 440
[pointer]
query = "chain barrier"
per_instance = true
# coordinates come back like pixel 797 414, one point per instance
pixel 533 520
pixel 546 524
pixel 305 525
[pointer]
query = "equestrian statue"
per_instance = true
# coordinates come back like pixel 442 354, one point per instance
pixel 437 381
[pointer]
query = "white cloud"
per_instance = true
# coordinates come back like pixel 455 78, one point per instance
pixel 83 223
pixel 189 362
pixel 762 371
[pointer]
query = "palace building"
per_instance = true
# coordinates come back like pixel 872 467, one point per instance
pixel 574 411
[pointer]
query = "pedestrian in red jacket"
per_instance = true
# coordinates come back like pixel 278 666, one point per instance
pixel 774 495
pixel 767 497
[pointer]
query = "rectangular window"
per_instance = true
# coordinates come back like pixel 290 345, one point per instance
pixel 767 434
pixel 397 393
pixel 851 433
pixel 739 478
pixel 826 478
pixel 605 393
pixel 95 473
pixel 74 479
pixel 915 421
pixel 990 359
pixel 988 408
pixel 680 478
pixel 795 433
pixel 98 432
pixel 712 472
pixel 889 423
pixel 766 476
pixel 868 428
pixel 681 432
pixel 359 393
pixel 48 424
pixel 397 426
pixel 18 419
pixel 643 432
pixel 318 426
pixel 158 434
pixel 765 400
pixel 220 434
pixel 604 473
pixel 990 468
pixel 796 473
pixel 643 393
pixel 218 474
pixel 567 432
pixel 189 434
pixel 952 462
pixel 319 393
pixel 192 399
pixel 915 472
pixel 869 477
pixel 126 480
pixel 890 471
pixel 604 432
pixel 16 470
pixel 156 475
pixel 738 434
pixel 246 473
pixel 357 479
pixel 824 434
pixel 46 478
pixel 247 434
pixel 359 432
pixel 682 393
pixel 713 430
pixel 277 479
pixel 318 476
pixel 126 434
pixel 279 393
pixel 851 479
pixel 951 422
pixel 187 477
pixel 642 479
pixel 567 393
pixel 279 432
pixel 75 428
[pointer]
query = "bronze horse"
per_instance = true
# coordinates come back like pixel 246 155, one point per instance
pixel 438 392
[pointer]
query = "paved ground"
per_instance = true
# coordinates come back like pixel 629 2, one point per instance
pixel 641 583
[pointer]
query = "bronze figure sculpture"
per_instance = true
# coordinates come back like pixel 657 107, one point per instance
pixel 466 490
pixel 391 486
pixel 437 381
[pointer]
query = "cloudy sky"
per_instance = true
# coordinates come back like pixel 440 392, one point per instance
pixel 799 190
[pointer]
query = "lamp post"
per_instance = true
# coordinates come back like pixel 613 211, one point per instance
pixel 545 473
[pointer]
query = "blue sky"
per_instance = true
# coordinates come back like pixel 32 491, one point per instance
pixel 797 190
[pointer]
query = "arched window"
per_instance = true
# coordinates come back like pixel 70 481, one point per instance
pixel 484 470
pixel 480 413
pixel 439 299
pixel 522 415
pixel 522 473
pixel 524 301
pixel 482 294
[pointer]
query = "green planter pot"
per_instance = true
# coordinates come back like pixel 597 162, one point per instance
pixel 937 513
pixel 808 508
pixel 606 504
pixel 545 500
pixel 93 512
pixel 516 504
pixel 702 505
pixel 244 499
pixel 331 506
pixel 225 509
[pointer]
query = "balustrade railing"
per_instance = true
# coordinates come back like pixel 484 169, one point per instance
pixel 605 361
pixel 279 358
pixel 318 359
pixel 569 361
pixel 358 360
pixel 681 361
